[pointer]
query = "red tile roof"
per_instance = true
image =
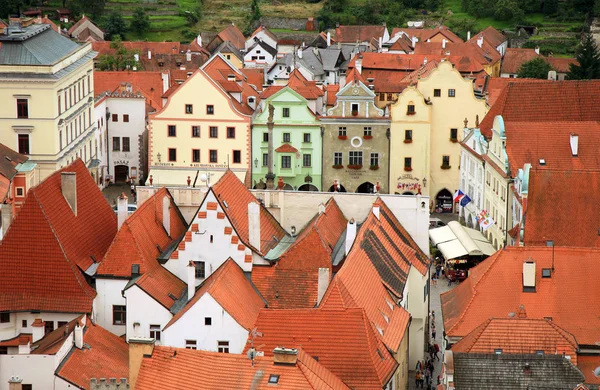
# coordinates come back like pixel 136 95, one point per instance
pixel 352 34
pixel 421 73
pixel 588 366
pixel 79 23
pixel 299 83
pixel 494 289
pixel 286 148
pixel 149 84
pixel 484 55
pixel 266 30
pixel 140 237
pixel 51 278
pixel 51 343
pixel 497 84
pixel 106 357
pixel 561 65
pixel 255 77
pixel 549 102
pixel 231 190
pixel 226 285
pixel 514 58
pixel 103 47
pixel 519 336
pixel 232 34
pixel 344 342
pixel 491 35
pixel 174 369
pixel 354 75
pixel 8 168
pixel 21 339
pixel 423 34
pixel 162 285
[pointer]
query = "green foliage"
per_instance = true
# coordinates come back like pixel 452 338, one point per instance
pixel 193 16
pixel 508 10
pixel 392 12
pixel 550 7
pixel 140 22
pixel 588 57
pixel 537 68
pixel 120 58
pixel 115 25
pixel 11 7
pixel 460 26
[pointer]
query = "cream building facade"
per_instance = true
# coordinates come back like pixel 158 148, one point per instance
pixel 46 90
pixel 424 148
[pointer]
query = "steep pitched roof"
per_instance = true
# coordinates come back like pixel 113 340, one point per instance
pixel 352 34
pixel 308 89
pixel 485 55
pixel 150 84
pixel 423 34
pixel 163 286
pixel 227 285
pixel 423 71
pixel 357 356
pixel 51 278
pixel 9 162
pixel 354 75
pixel 493 36
pixel 232 34
pixel 514 58
pixel 494 289
pixel 81 21
pixel 496 85
pixel 561 65
pixel 231 190
pixel 255 77
pixel 588 366
pixel 52 342
pixel 142 237
pixel 174 368
pixel 519 336
pixel 267 32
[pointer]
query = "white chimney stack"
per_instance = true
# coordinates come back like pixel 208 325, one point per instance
pixel 322 283
pixel 529 275
pixel 444 43
pixel 350 234
pixel 122 211
pixel 166 205
pixel 537 50
pixel 68 186
pixel 574 144
pixel 149 54
pixel 6 218
pixel 188 55
pixel 414 41
pixel 468 35
pixel 78 336
pixel 37 327
pixel 199 40
pixel 254 224
pixel 300 53
pixel 191 280
pixel 328 39
pixel 376 211
pixel 358 63
pixel 480 41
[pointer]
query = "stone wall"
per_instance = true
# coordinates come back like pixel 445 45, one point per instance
pixel 285 23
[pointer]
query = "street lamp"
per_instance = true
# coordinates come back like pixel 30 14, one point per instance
pixel 158 156
pixel 424 182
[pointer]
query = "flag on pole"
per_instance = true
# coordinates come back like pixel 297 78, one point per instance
pixel 484 219
pixel 465 200
pixel 458 196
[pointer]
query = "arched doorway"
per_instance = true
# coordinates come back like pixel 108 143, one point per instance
pixel 443 201
pixel 407 193
pixel 366 188
pixel 307 187
pixel 288 187
pixel 341 188
pixel 121 173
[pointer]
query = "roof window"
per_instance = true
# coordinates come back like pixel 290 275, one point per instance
pixel 498 351
pixel 546 273
pixel 542 162
pixel 273 379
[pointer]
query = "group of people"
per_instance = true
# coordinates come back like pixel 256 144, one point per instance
pixel 424 372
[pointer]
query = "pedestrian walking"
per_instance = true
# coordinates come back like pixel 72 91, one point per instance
pixel 427 379
pixel 419 366
pixel 433 318
pixel 431 353
pixel 449 280
pixel 419 379
pixel 437 350
pixel 434 280
pixel 433 330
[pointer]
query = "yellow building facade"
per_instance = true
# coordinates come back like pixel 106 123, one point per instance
pixel 425 130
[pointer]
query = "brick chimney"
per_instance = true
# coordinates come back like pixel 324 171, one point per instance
pixel 122 211
pixel 15 383
pixel 254 224
pixel 6 218
pixel 68 186
pixel 285 356
pixel 138 347
pixel 166 217
pixel 350 234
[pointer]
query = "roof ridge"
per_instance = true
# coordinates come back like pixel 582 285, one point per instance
pixel 367 322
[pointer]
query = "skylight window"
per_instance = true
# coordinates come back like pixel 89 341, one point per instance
pixel 273 379
pixel 542 162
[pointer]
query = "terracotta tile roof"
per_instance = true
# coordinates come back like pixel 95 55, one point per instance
pixel 494 289
pixel 286 148
pixel 232 34
pixel 51 343
pixel 424 70
pixel 561 65
pixel 103 47
pixel 231 190
pixel 21 339
pixel 64 245
pixel 79 23
pixel 377 266
pixel 550 210
pixel 357 356
pixel 226 285
pixel 352 34
pixel 162 285
pixel 149 84
pixel 142 238
pixel 495 86
pixel 307 89
pixel 491 35
pixel 9 161
pixel 549 102
pixel 266 30
pixel 255 77
pixel 514 58
pixel 423 34
pixel 588 365
pixel 106 357
pixel 354 75
pixel 484 55
pixel 519 336
pixel 177 368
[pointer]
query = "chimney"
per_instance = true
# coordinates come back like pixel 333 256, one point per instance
pixel 191 280
pixel 358 63
pixel 414 41
pixel 38 330
pixel 529 276
pixel 425 61
pixel 328 39
pixel 68 186
pixel 138 347
pixel 480 41
pixel 188 56
pixel 574 147
pixel 316 51
pixel 285 356
pixel 122 211
pixel 322 284
pixel 78 336
pixel 136 57
pixel 199 40
pixel 444 43
pixel 166 205
pixel 537 50
pixel 468 35
pixel 254 224
pixel 102 384
pixel 300 53
pixel 6 218
pixel 149 54
pixel 350 234
pixel 376 211
pixel 15 383
pixel 380 43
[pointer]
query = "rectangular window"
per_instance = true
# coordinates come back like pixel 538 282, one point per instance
pixel 286 137
pixel 4 318
pixel 20 191
pixel 374 159
pixel 28 386
pixel 231 132
pixel 207 321
pixel 48 327
pixel 382 96
pixel 223 346
pixel 446 161
pixel 196 155
pixel 115 117
pixel 126 146
pixel 437 92
pixel 453 134
pixel 390 97
pixel 265 159
pixel 306 160
pixel 200 269
pixel 213 156
pixel 307 137
pixel 172 154
pixel 196 131
pixel 191 344
pixel 210 109
pixel 213 132
pixel 354 108
pixel 341 132
pixel 125 117
pixel 119 315
pixel 337 158
pixel 189 109
pixel 155 332
pixel 265 137
pixel 410 110
pixel 172 131
pixel 286 162
pixel 22 108
pixel 116 144
pixel 368 132
pixel 62 323
pixel 237 156
pixel 355 158
pixel 286 112
pixel 451 92
pixel 408 163
pixel 23 143
pixel 408 135
pixel 3 350
pixel 23 323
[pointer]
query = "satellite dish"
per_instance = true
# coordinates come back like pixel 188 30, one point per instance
pixel 203 177
pixel 597 372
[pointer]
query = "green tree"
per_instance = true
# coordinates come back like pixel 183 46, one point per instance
pixel 508 10
pixel 588 58
pixel 537 68
pixel 550 7
pixel 115 25
pixel 140 22
pixel 120 57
